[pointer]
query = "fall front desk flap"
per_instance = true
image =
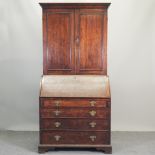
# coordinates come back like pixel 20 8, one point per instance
pixel 75 86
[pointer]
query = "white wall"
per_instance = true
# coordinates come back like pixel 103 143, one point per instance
pixel 131 58
pixel 132 64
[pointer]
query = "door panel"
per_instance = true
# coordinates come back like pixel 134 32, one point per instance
pixel 89 42
pixel 60 42
pixel 84 53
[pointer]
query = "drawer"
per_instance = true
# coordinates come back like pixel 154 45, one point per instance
pixel 75 112
pixel 50 103
pixel 75 137
pixel 74 124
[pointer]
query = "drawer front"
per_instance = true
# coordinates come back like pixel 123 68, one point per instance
pixel 77 113
pixel 74 137
pixel 50 103
pixel 75 124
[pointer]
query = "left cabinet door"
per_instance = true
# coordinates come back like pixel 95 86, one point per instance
pixel 58 41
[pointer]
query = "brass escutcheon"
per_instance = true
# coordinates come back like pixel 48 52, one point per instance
pixel 92 103
pixel 92 138
pixel 57 112
pixel 92 112
pixel 57 124
pixel 57 137
pixel 92 124
pixel 57 103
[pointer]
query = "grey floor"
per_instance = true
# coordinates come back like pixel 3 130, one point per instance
pixel 124 143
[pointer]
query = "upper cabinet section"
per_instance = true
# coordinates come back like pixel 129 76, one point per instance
pixel 74 38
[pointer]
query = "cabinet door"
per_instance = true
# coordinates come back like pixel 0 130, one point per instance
pixel 58 25
pixel 90 39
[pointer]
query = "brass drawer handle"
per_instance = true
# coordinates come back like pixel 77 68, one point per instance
pixel 57 124
pixel 57 137
pixel 57 103
pixel 57 112
pixel 92 112
pixel 92 138
pixel 92 103
pixel 92 124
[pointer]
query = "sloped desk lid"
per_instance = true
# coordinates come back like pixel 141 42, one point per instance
pixel 75 86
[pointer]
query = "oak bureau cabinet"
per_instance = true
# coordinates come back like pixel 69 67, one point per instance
pixel 75 100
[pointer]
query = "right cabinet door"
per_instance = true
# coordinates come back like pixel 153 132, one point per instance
pixel 90 41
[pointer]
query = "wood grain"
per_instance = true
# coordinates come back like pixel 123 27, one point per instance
pixel 75 99
pixel 90 45
pixel 59 33
pixel 74 137
pixel 74 103
pixel 76 113
pixel 74 123
pixel 74 40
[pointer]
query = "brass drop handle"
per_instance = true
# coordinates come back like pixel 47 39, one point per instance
pixel 92 103
pixel 77 40
pixel 57 137
pixel 57 124
pixel 92 124
pixel 92 112
pixel 57 103
pixel 92 138
pixel 57 112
